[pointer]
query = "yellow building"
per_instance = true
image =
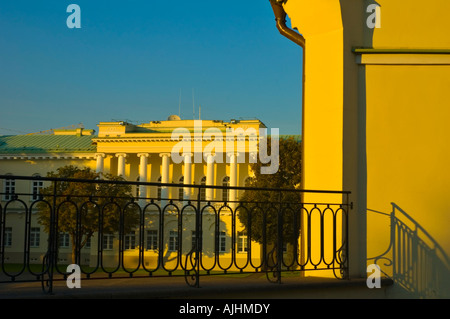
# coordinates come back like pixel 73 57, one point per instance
pixel 174 151
pixel 380 129
pixel 35 155
pixel 207 152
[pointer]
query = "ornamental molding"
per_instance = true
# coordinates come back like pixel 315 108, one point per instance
pixel 48 157
pixel 194 139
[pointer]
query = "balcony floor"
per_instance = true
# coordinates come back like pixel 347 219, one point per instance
pixel 254 286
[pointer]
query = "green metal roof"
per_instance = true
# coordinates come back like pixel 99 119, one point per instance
pixel 38 144
pixel 42 144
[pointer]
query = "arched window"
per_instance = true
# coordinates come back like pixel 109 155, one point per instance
pixel 225 191
pixel 181 189
pixel 203 190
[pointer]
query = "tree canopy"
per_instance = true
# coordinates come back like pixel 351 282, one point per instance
pixel 261 207
pixel 95 202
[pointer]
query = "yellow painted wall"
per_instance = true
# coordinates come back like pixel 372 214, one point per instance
pixel 413 24
pixel 407 145
pixel 322 135
pixel 326 157
pixel 407 142
pixel 29 167
pixel 376 125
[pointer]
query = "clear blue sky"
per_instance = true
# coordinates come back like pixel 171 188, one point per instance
pixel 131 59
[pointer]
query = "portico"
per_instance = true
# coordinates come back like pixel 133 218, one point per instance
pixel 144 153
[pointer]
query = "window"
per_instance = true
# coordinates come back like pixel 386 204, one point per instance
pixel 225 183
pixel 194 240
pixel 64 240
pixel 203 190
pixel 88 243
pixel 152 239
pixel 35 236
pixel 9 188
pixel 130 240
pixel 108 241
pixel 8 236
pixel 36 187
pixel 222 241
pixel 242 242
pixel 173 240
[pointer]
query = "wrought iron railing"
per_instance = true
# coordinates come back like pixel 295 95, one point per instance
pixel 113 236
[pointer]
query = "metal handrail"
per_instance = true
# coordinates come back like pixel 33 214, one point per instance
pixel 296 216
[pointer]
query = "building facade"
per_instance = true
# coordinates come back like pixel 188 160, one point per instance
pixel 174 151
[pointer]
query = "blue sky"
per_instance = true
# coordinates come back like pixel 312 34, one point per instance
pixel 133 60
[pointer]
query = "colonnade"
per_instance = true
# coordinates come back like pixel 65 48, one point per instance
pixel 165 172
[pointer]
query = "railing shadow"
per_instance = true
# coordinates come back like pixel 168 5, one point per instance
pixel 414 260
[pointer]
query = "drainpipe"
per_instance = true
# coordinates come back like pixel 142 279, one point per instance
pixel 280 18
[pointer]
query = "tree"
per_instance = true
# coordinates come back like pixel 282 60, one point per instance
pixel 92 200
pixel 259 209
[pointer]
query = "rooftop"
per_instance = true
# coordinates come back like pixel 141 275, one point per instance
pixel 42 144
pixel 122 128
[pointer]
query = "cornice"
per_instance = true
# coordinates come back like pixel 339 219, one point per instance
pixel 89 156
pixel 175 140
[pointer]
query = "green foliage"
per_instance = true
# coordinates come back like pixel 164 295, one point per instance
pixel 95 202
pixel 263 206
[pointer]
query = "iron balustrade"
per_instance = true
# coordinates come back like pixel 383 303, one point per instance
pixel 275 237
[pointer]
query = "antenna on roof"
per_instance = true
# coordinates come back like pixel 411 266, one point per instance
pixel 199 112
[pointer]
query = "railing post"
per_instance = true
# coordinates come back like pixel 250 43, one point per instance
pixel 265 263
pixel 279 239
pixel 348 206
pixel 198 239
pixel 78 236
pixel 51 242
pixel 2 238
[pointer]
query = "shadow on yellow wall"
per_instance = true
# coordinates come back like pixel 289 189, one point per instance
pixel 413 258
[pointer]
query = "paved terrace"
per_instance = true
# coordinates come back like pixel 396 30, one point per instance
pixel 254 286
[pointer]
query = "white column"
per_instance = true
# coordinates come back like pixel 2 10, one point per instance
pixel 164 176
pixel 187 175
pixel 121 164
pixel 233 178
pixel 210 176
pixel 100 162
pixel 143 175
